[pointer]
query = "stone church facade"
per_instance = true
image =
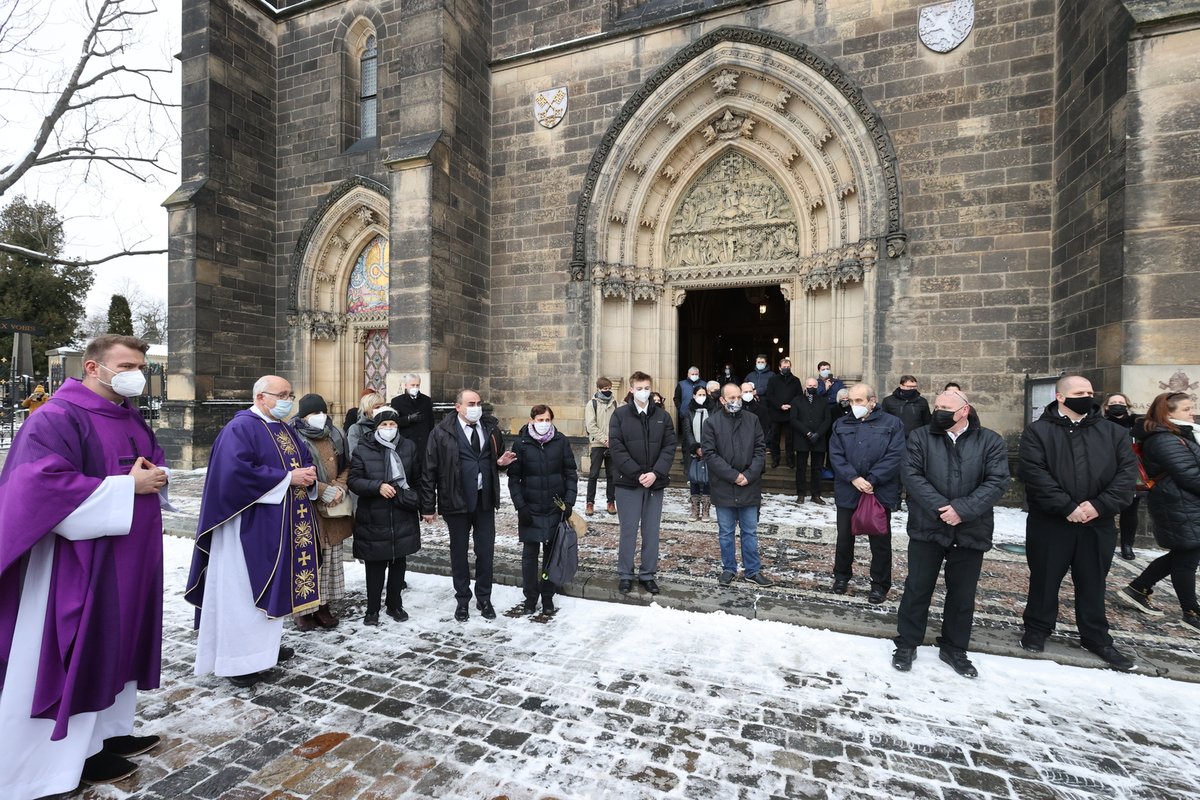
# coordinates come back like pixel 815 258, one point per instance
pixel 520 196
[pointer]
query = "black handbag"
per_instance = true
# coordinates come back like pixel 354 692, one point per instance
pixel 407 499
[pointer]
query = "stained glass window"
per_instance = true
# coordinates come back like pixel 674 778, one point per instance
pixel 368 290
pixel 376 360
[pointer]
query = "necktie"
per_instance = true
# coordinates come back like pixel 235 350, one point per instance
pixel 474 436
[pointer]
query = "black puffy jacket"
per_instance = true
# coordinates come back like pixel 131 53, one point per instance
pixel 541 473
pixel 970 475
pixel 1064 464
pixel 382 530
pixel 1174 461
pixel 913 412
pixel 641 443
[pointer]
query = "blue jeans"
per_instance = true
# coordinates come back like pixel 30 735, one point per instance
pixel 745 518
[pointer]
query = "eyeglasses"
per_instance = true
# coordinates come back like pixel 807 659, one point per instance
pixel 281 395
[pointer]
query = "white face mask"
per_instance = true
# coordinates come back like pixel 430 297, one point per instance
pixel 825 373
pixel 700 398
pixel 473 413
pixel 748 397
pixel 695 376
pixel 413 391
pixel 387 434
pixel 126 384
pixel 317 421
pixel 860 411
pixel 642 395
pixel 542 428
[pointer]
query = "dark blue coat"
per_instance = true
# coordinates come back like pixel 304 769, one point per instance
pixel 873 448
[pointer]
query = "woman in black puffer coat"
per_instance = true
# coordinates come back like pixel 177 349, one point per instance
pixel 384 473
pixel 543 472
pixel 1171 453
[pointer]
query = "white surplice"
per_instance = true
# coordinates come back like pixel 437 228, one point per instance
pixel 34 765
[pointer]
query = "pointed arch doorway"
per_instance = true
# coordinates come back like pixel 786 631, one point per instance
pixel 732 326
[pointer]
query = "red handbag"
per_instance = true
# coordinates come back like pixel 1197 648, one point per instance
pixel 870 518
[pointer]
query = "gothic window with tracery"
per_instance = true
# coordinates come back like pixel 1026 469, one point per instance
pixel 368 289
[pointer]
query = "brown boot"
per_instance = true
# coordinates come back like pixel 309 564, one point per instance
pixel 695 513
pixel 612 508
pixel 705 505
pixel 591 509
pixel 305 622
pixel 325 618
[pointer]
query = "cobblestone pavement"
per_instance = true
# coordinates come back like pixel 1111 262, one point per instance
pixel 622 701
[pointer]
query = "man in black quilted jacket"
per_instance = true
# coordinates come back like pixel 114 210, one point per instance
pixel 1079 472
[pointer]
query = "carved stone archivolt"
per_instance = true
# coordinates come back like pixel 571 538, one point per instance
pixel 319 324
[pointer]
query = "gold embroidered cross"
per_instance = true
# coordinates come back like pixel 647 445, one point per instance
pixel 294 464
pixel 304 559
pixel 302 511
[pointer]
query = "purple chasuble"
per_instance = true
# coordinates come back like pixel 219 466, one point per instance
pixel 103 625
pixel 279 541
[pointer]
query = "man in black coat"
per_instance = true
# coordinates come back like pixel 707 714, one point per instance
pixel 735 451
pixel 781 393
pixel 1079 472
pixel 641 439
pixel 752 405
pixel 810 419
pixel 954 472
pixel 415 412
pixel 908 404
pixel 461 479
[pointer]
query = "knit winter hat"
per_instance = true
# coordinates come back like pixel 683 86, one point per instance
pixel 311 404
pixel 385 412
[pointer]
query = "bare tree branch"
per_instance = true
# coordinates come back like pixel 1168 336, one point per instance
pixel 33 254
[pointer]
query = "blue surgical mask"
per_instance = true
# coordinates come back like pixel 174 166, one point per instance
pixel 825 373
pixel 282 409
pixel 760 366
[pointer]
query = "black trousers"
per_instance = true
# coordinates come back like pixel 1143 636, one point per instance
pixel 531 571
pixel 881 552
pixel 1129 522
pixel 480 528
pixel 962 566
pixel 816 461
pixel 1181 566
pixel 1054 546
pixel 780 431
pixel 376 572
pixel 600 455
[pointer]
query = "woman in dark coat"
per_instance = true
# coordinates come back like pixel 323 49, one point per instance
pixel 543 473
pixel 384 473
pixel 1171 454
pixel 1116 410
pixel 702 407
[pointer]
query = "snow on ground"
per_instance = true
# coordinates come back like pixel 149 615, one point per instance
pixel 726 667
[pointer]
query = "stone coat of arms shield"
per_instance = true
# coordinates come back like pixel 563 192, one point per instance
pixel 550 106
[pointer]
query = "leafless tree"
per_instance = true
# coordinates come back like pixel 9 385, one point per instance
pixel 100 112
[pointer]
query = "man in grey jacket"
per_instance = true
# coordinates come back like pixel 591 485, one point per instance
pixel 735 450
pixel 955 472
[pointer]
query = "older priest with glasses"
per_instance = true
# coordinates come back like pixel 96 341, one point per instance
pixel 255 559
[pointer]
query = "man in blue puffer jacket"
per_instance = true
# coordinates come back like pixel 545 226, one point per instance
pixel 865 451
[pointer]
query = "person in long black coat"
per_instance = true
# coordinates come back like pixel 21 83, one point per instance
pixel 415 413
pixel 384 473
pixel 1171 452
pixel 810 419
pixel 543 472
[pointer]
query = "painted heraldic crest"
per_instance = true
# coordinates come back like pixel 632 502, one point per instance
pixel 945 26
pixel 550 106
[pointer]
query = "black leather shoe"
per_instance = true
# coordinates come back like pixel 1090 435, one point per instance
pixel 877 596
pixel 398 614
pixel 816 498
pixel 839 586
pixel 1111 656
pixel 485 609
pixel 530 607
pixel 959 661
pixel 903 658
pixel 1033 643
pixel 106 768
pixel 461 613
pixel 548 607
pixel 126 746
pixel 1127 552
pixel 624 586
pixel 650 585
pixel 246 681
pixel 372 620
pixel 285 653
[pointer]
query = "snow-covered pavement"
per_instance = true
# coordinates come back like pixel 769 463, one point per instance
pixel 621 701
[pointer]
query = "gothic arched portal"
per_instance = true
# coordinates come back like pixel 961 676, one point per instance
pixel 746 161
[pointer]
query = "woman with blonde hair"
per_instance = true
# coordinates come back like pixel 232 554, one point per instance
pixel 1171 454
pixel 364 426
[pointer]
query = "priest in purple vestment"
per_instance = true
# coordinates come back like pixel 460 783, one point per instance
pixel 256 555
pixel 80 579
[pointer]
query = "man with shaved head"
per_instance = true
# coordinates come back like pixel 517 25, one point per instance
pixel 865 450
pixel 1079 472
pixel 954 472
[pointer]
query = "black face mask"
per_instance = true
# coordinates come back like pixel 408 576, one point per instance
pixel 908 394
pixel 1080 405
pixel 785 370
pixel 811 390
pixel 942 420
pixel 606 395
pixel 1117 411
